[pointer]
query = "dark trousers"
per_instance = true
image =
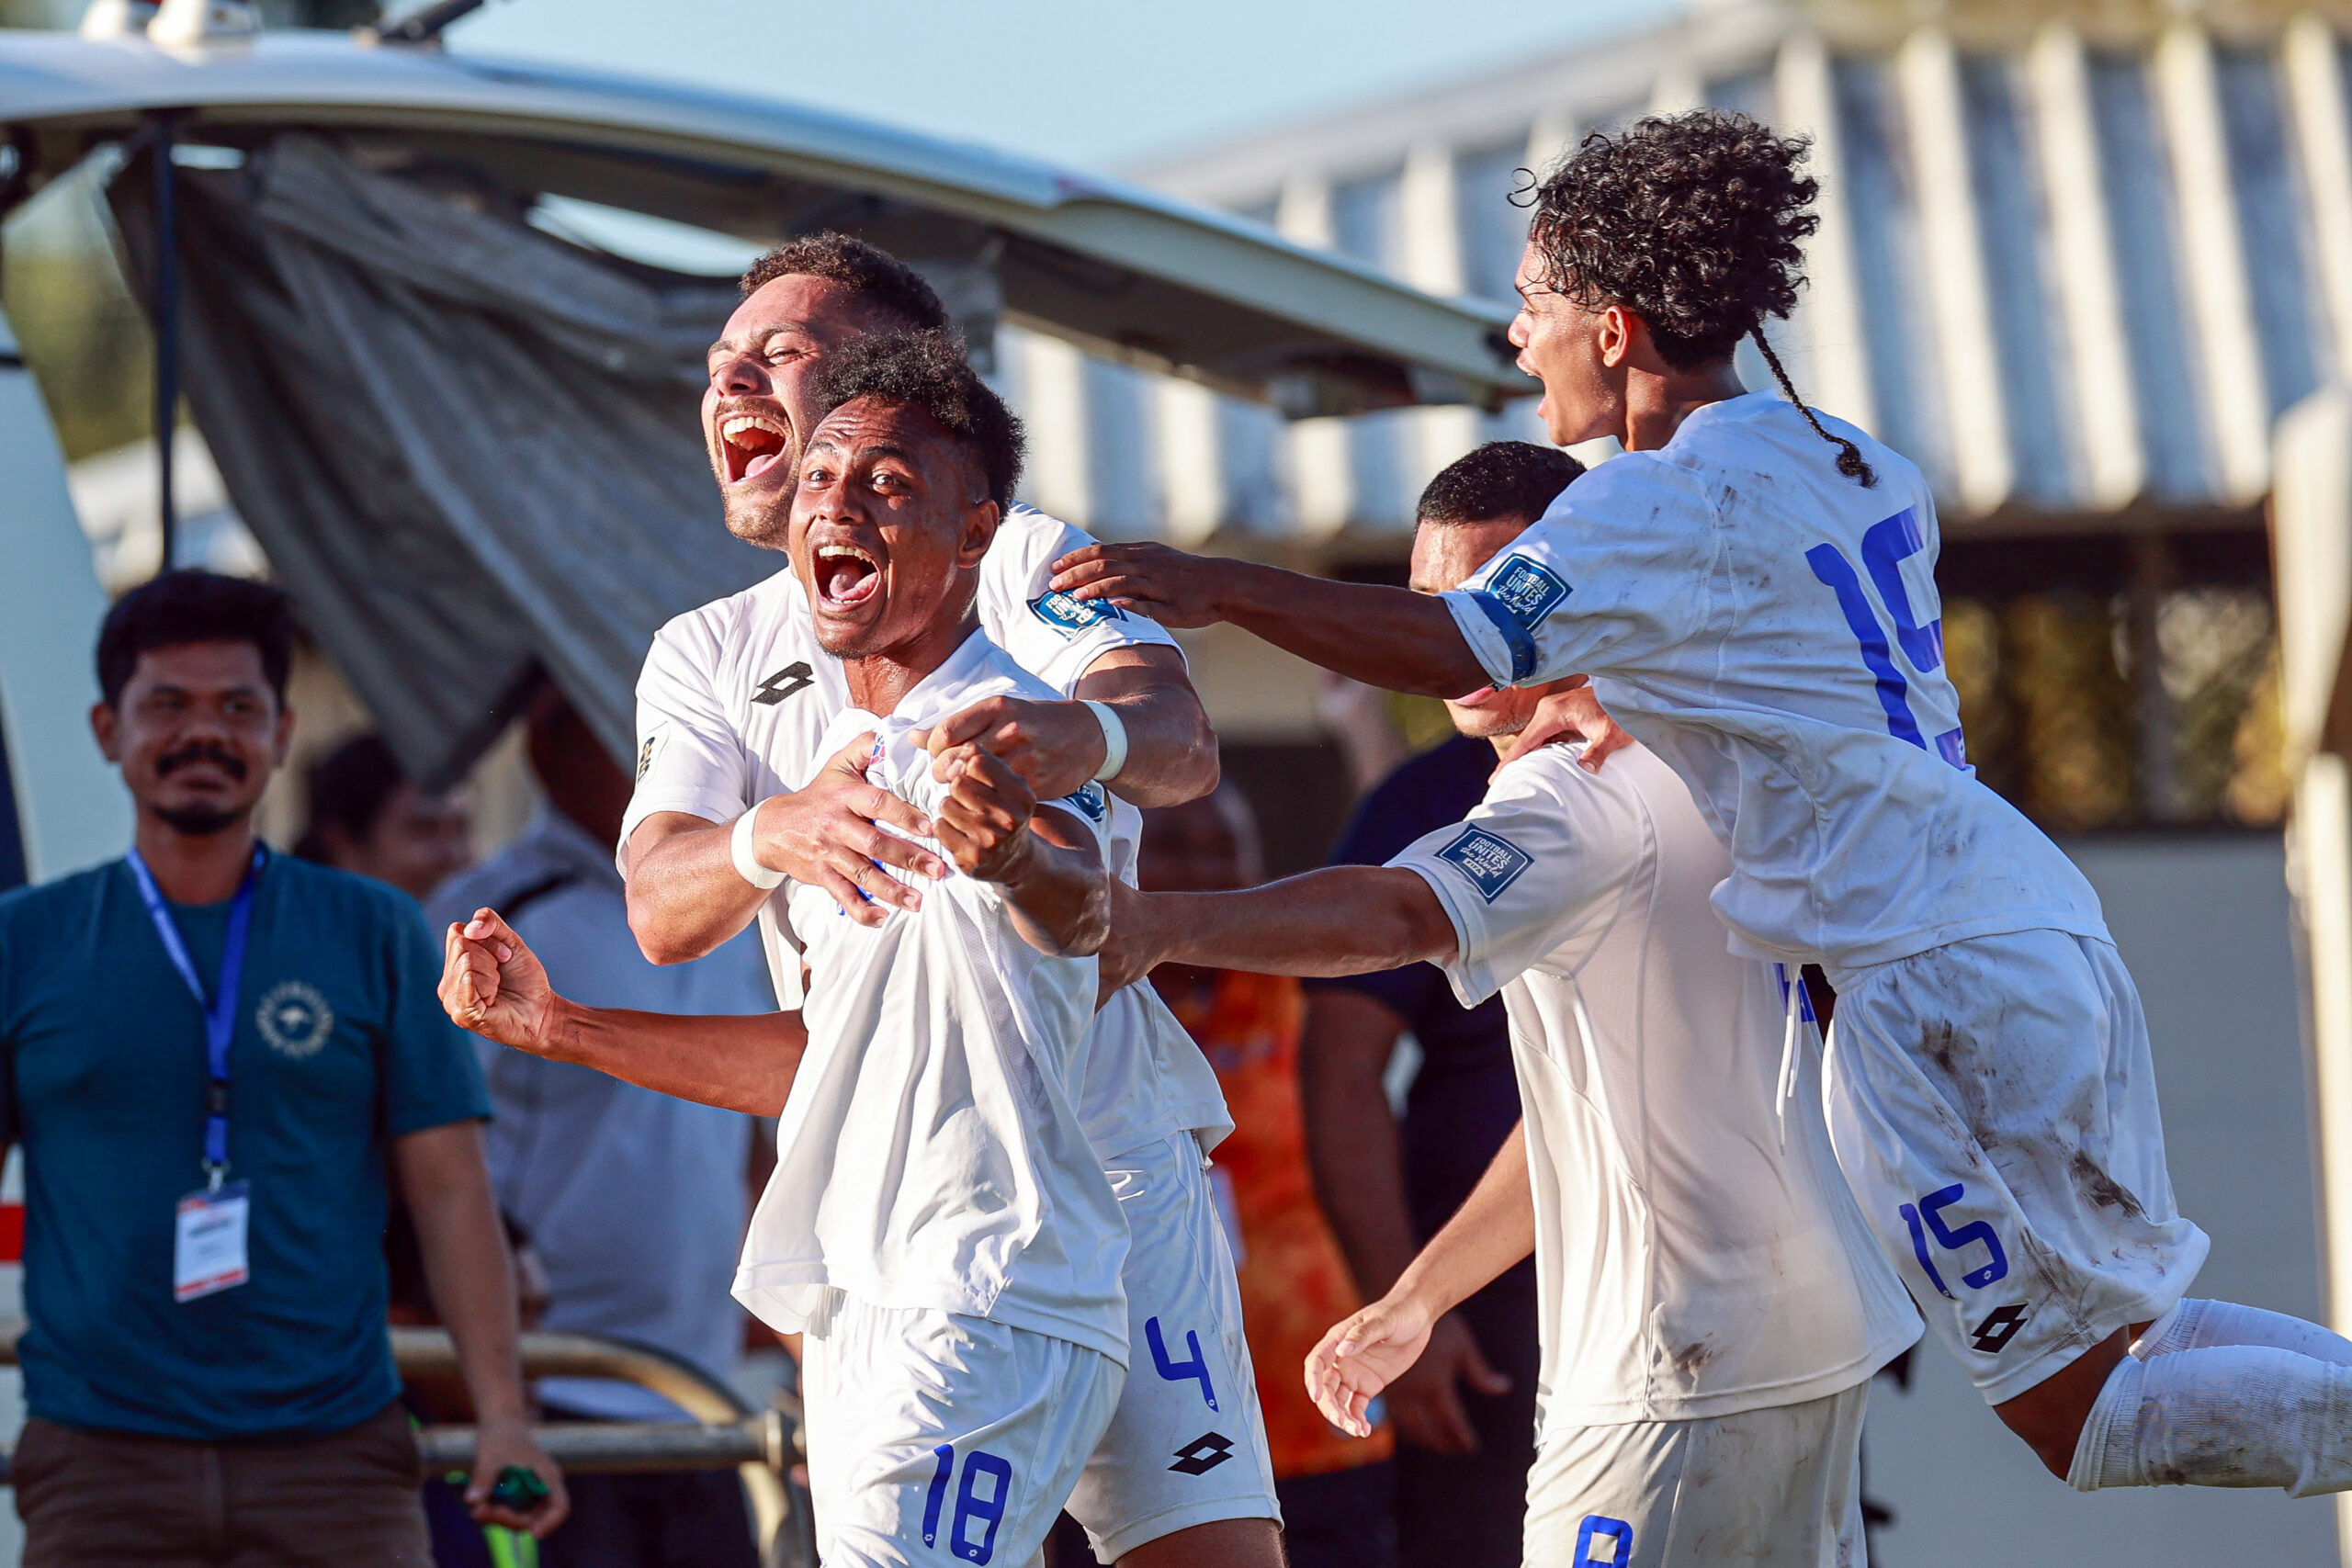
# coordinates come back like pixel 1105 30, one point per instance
pixel 93 1499
pixel 1343 1518
pixel 1465 1510
pixel 689 1519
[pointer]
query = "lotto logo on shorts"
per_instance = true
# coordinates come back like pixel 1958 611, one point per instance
pixel 1202 1454
pixel 1992 1337
pixel 1529 592
pixel 1070 616
pixel 1490 861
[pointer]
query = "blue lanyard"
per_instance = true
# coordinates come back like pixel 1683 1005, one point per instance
pixel 220 1012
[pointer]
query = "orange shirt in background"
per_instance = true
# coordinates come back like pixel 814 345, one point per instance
pixel 1294 1283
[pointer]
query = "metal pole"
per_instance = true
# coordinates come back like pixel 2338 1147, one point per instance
pixel 168 333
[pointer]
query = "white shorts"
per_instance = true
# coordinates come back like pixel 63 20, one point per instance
pixel 1993 1107
pixel 1781 1486
pixel 935 1438
pixel 1187 1444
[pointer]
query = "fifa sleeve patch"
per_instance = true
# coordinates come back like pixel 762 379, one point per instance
pixel 1491 862
pixel 1528 592
pixel 1069 615
pixel 1090 803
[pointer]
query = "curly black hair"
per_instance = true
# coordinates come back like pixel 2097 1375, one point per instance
pixel 1696 223
pixel 927 370
pixel 879 280
pixel 1498 481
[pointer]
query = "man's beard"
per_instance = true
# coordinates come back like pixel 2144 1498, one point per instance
pixel 199 819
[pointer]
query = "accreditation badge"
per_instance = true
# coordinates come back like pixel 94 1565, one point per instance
pixel 208 1243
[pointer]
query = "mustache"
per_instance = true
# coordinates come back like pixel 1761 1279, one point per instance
pixel 203 751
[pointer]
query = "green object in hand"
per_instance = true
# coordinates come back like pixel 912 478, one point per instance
pixel 519 1488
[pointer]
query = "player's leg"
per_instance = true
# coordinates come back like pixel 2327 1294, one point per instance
pixel 1993 1103
pixel 935 1437
pixel 1780 1486
pixel 1183 1473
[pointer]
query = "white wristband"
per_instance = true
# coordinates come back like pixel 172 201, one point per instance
pixel 747 863
pixel 1114 740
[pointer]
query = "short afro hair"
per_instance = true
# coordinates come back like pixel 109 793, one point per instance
pixel 1694 222
pixel 1500 479
pixel 878 280
pixel 927 370
pixel 183 607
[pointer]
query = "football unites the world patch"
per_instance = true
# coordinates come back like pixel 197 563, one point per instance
pixel 1070 616
pixel 1491 862
pixel 1527 591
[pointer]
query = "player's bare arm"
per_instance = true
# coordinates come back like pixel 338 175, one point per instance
pixel 685 896
pixel 1368 1350
pixel 1384 637
pixel 1045 859
pixel 1059 747
pixel 494 985
pixel 1344 920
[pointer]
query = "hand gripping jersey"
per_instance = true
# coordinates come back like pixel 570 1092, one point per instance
pixel 930 1154
pixel 1771 630
pixel 1697 1252
pixel 734 704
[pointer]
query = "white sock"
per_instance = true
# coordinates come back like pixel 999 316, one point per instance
pixel 2221 1416
pixel 2196 1324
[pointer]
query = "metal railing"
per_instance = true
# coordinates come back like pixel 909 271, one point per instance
pixel 761 1446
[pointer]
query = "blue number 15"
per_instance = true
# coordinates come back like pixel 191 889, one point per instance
pixel 1885 547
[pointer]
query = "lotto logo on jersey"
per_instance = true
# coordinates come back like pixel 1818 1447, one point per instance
pixel 1492 863
pixel 1529 592
pixel 1070 616
pixel 1092 803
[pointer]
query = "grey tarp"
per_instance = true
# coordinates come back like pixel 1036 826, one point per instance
pixel 470 449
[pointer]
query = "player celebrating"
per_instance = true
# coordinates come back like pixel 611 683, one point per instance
pixel 734 795
pixel 1712 1302
pixel 1749 586
pixel 937 1225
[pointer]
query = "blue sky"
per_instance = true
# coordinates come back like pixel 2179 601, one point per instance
pixel 1094 83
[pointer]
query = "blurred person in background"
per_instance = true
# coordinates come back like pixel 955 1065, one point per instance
pixel 1465 1413
pixel 367 816
pixel 1336 1491
pixel 635 1201
pixel 213 1055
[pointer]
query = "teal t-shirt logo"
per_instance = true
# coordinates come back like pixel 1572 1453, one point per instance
pixel 294 1019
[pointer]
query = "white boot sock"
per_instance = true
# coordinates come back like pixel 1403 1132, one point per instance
pixel 2221 1416
pixel 2197 1324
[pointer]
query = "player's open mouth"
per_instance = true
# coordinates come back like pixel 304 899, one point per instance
pixel 750 444
pixel 1471 699
pixel 846 575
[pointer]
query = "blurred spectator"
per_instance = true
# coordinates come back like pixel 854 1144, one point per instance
pixel 1335 1490
pixel 367 816
pixel 1465 1414
pixel 213 1055
pixel 635 1201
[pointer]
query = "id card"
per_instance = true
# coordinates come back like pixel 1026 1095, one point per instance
pixel 208 1243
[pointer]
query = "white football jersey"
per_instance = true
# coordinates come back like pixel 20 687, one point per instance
pixel 1771 629
pixel 733 706
pixel 1690 1263
pixel 930 1154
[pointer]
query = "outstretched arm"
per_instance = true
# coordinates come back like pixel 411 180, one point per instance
pixel 493 984
pixel 1391 638
pixel 1363 1354
pixel 1344 920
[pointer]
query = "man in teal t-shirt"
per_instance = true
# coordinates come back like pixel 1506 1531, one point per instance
pixel 214 1057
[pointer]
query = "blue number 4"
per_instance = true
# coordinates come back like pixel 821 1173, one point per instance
pixel 969 1504
pixel 1177 1372
pixel 1929 1218
pixel 1885 546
